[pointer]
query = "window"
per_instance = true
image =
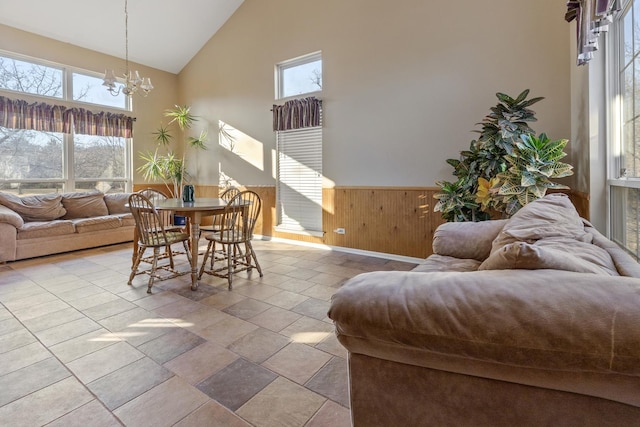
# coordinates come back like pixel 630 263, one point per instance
pixel 38 162
pixel 299 187
pixel 89 89
pixel 299 76
pixel 299 147
pixel 35 162
pixel 624 180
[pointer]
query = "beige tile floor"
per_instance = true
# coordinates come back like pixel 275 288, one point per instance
pixel 78 347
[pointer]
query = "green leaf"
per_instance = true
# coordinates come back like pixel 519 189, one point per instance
pixel 522 96
pixel 163 136
pixel 530 102
pixel 560 170
pixel 504 98
pixel 198 142
pixel 509 188
pixel 527 179
pixel 181 115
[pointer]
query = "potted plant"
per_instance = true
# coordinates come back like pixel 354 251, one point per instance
pixel 170 167
pixel 507 167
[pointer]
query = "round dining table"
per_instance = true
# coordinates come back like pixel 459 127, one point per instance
pixel 201 207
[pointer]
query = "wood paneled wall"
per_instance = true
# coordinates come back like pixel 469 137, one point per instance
pixel 398 221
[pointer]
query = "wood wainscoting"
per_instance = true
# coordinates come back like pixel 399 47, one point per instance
pixel 398 221
pixel 391 220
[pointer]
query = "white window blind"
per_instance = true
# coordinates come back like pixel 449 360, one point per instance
pixel 299 186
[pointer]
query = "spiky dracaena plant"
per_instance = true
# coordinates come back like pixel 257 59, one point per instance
pixel 500 131
pixel 170 168
pixel 532 164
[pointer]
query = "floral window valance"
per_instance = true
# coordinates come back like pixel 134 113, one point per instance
pixel 297 114
pixel 19 114
pixel 592 17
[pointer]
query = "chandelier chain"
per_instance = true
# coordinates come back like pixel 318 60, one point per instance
pixel 132 80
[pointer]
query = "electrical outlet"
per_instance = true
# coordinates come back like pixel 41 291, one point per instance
pixel 340 230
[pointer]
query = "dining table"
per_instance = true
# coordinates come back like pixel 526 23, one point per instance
pixel 201 207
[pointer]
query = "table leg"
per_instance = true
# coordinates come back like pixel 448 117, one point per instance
pixel 195 235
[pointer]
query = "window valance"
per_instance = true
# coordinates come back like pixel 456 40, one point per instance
pixel 297 114
pixel 19 114
pixel 592 17
pixel 102 124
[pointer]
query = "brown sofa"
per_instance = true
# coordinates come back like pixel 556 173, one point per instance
pixel 39 225
pixel 531 321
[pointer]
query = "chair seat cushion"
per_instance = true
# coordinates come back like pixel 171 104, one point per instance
pixel 156 239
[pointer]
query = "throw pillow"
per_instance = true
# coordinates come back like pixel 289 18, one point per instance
pixel 45 207
pixel 84 205
pixel 521 255
pixel 551 216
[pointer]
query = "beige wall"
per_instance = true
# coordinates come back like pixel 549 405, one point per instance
pixel 405 82
pixel 148 111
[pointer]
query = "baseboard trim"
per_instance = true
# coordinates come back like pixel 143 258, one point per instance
pixel 391 257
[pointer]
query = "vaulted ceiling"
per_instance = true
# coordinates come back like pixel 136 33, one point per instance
pixel 163 34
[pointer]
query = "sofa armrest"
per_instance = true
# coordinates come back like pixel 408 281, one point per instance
pixel 8 242
pixel 468 240
pixel 543 319
pixel 11 217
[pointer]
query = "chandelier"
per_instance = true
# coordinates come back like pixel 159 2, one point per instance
pixel 132 80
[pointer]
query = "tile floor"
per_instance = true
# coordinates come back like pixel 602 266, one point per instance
pixel 78 347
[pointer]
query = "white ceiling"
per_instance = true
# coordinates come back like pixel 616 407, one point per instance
pixel 163 34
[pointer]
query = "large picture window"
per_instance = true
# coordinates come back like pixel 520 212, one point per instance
pixel 35 161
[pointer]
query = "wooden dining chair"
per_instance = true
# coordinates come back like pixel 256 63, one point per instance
pixel 216 225
pixel 152 233
pixel 238 221
pixel 167 218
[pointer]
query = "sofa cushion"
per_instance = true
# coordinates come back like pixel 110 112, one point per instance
pixel 116 203
pixel 126 220
pixel 85 225
pixel 35 229
pixel 44 207
pixel 84 205
pixel 438 262
pixel 470 240
pixel 504 316
pixel 522 255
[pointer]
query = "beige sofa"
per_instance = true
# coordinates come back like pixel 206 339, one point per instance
pixel 39 225
pixel 531 321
